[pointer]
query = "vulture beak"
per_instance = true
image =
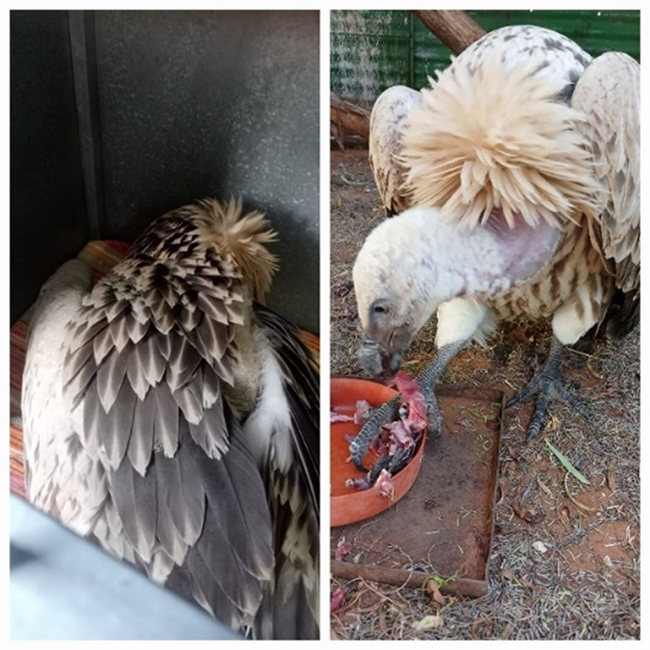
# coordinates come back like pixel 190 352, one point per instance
pixel 381 359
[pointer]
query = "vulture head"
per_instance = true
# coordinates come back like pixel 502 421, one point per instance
pixel 408 267
pixel 394 297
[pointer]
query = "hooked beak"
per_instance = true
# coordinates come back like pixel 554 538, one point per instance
pixel 381 361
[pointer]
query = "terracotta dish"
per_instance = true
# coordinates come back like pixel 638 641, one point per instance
pixel 349 505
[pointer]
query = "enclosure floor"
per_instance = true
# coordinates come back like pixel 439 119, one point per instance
pixel 443 525
pixel 564 560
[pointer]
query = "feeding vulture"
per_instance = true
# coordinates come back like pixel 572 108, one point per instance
pixel 522 181
pixel 174 420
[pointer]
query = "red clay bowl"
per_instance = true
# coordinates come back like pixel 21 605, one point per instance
pixel 349 505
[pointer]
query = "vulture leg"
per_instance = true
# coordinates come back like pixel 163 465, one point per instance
pixel 426 380
pixel 548 383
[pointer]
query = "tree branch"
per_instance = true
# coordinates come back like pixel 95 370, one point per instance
pixel 453 28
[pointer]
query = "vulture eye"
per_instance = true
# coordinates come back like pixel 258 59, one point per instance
pixel 380 308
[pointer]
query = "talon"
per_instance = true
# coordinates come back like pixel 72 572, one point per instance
pixel 382 463
pixel 547 383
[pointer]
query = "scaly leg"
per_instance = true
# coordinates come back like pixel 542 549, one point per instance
pixel 548 383
pixel 380 416
pixel 370 430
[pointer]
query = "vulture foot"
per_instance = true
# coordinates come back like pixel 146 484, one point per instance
pixel 370 430
pixel 392 464
pixel 547 383
pixel 434 418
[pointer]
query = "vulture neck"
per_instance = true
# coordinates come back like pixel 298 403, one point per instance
pixel 482 261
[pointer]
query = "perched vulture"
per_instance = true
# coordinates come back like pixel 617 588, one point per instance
pixel 522 170
pixel 175 421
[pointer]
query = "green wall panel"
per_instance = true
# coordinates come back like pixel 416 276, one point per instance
pixel 372 50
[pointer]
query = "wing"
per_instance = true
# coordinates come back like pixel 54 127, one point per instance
pixel 389 118
pixel 608 95
pixel 51 446
pixel 149 358
pixel 293 487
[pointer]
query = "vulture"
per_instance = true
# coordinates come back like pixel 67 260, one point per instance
pixel 174 420
pixel 520 196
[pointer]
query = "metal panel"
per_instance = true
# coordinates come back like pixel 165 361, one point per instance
pixel 374 50
pixel 369 52
pixel 64 587
pixel 48 219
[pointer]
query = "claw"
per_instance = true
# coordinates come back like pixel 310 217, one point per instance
pixel 382 463
pixel 400 460
pixel 393 464
pixel 547 383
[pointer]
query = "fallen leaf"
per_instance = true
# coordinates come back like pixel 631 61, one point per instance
pixel 342 289
pixel 575 501
pixel 540 547
pixel 482 547
pixel 593 372
pixel 433 589
pixel 566 463
pixel 552 424
pixel 383 625
pixel 564 515
pixel 508 574
pixel 337 599
pixel 513 454
pixel 478 631
pixel 430 622
pixel 503 482
pixel 528 515
pixel 611 476
pixel 527 583
pixel 506 631
pixel 544 487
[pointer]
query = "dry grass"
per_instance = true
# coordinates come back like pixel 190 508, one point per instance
pixel 583 583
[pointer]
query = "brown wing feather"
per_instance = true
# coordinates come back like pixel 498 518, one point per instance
pixel 388 120
pixel 608 94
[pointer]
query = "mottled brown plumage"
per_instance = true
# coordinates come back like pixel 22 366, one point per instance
pixel 388 121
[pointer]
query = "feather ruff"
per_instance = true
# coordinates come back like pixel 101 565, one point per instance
pixel 244 235
pixel 498 138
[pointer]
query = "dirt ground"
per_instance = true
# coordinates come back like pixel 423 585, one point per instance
pixel 564 560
